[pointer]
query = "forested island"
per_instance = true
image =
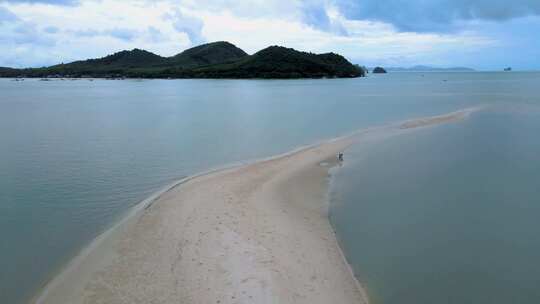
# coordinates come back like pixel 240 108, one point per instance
pixel 379 70
pixel 213 60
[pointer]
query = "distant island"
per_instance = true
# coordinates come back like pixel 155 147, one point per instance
pixel 379 70
pixel 426 68
pixel 213 60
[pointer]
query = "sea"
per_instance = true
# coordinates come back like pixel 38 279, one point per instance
pixel 443 214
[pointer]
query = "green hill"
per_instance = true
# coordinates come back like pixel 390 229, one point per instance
pixel 208 54
pixel 123 59
pixel 281 62
pixel 212 60
pixel 116 63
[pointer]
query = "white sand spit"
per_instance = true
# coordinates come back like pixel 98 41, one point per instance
pixel 257 233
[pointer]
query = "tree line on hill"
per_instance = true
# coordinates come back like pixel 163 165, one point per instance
pixel 213 60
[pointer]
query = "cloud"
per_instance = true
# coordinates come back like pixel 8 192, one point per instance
pixel 316 15
pixel 51 2
pixel 93 29
pixel 313 13
pixel 285 9
pixel 118 33
pixel 7 16
pixel 25 33
pixel 155 35
pixel 371 32
pixel 436 15
pixel 122 33
pixel 17 31
pixel 51 29
pixel 191 26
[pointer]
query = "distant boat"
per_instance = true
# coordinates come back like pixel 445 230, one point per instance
pixel 508 69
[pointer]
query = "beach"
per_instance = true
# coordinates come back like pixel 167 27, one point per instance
pixel 255 233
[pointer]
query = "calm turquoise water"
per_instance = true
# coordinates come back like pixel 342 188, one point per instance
pixel 76 155
pixel 447 214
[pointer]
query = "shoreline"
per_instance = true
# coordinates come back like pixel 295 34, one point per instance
pixel 91 273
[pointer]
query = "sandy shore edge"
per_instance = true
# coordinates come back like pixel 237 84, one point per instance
pixel 120 265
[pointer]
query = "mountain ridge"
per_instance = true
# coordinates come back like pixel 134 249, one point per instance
pixel 206 54
pixel 427 68
pixel 219 59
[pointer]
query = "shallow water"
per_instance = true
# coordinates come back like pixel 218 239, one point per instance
pixel 447 214
pixel 76 155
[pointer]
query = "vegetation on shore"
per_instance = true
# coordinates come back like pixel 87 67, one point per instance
pixel 212 60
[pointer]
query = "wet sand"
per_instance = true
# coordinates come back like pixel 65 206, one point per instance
pixel 439 119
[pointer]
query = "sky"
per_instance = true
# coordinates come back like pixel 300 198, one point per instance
pixel 482 34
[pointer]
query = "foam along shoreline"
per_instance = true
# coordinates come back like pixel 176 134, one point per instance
pixel 253 233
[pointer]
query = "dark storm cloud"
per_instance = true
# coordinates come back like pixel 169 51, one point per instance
pixel 436 15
